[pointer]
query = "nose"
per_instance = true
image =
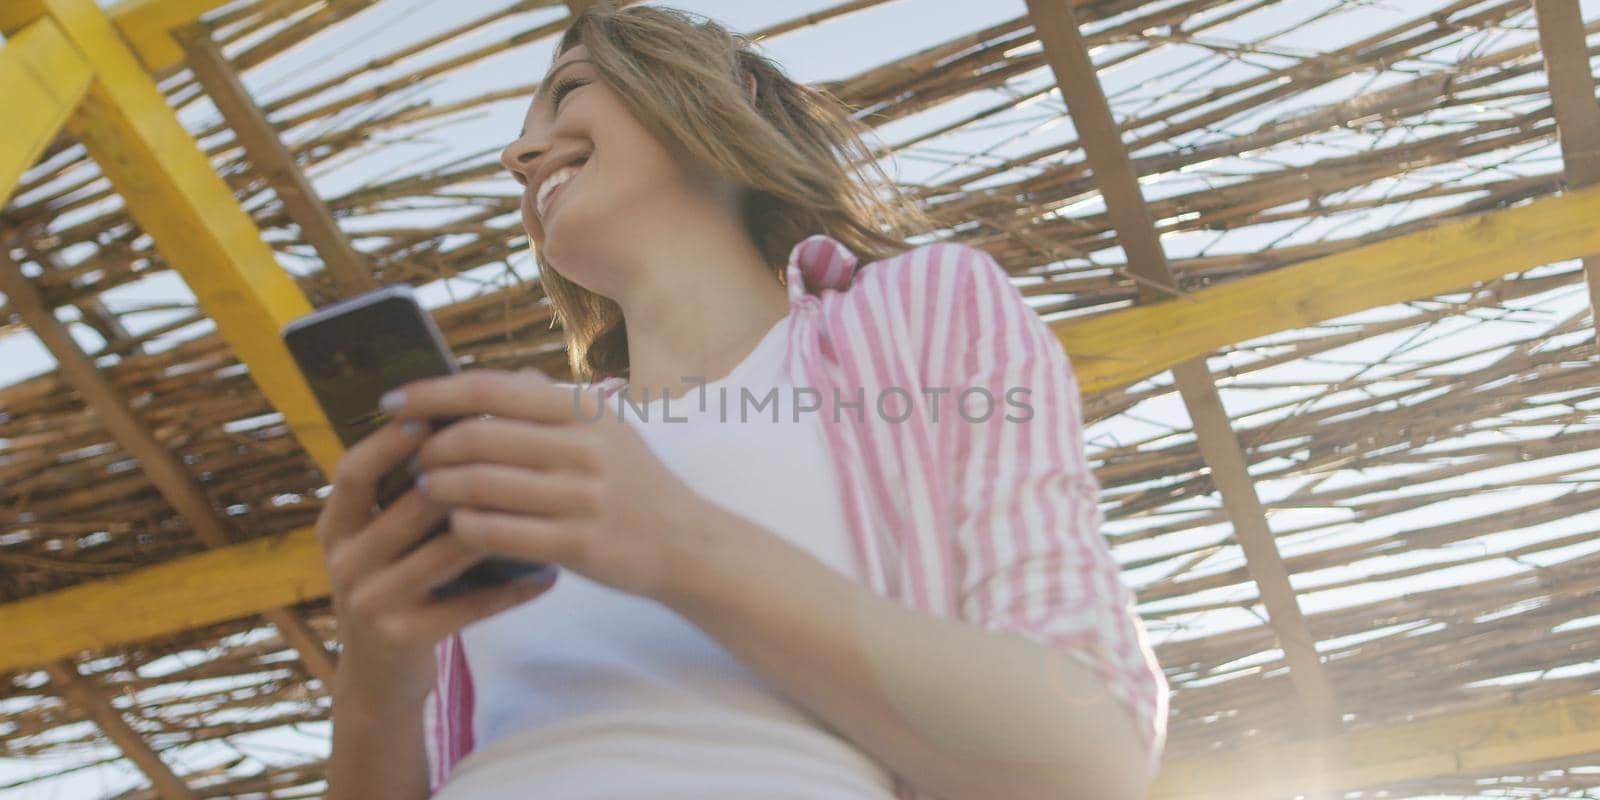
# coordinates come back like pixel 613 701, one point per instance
pixel 519 156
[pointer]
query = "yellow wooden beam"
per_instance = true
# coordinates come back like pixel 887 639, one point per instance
pixel 44 79
pixel 185 593
pixel 145 24
pixel 1123 347
pixel 175 195
pixel 1454 744
pixel 148 24
pixel 18 14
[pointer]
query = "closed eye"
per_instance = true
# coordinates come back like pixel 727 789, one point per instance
pixel 562 89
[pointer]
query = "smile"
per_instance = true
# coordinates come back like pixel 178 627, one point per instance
pixel 557 181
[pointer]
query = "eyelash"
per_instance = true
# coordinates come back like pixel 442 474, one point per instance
pixel 561 90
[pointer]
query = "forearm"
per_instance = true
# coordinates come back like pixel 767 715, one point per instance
pixel 378 749
pixel 960 711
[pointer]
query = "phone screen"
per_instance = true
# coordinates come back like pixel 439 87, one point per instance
pixel 351 359
pixel 354 352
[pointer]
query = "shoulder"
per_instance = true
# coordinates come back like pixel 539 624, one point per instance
pixel 933 263
pixel 942 304
pixel 823 266
pixel 927 293
pixel 939 285
pixel 946 276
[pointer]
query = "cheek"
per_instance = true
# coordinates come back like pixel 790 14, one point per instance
pixel 636 170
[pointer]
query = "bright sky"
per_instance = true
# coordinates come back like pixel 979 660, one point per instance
pixel 837 50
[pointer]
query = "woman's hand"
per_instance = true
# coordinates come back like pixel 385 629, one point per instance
pixel 381 579
pixel 550 475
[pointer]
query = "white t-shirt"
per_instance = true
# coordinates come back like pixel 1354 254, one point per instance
pixel 587 692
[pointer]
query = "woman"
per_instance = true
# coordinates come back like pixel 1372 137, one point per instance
pixel 887 580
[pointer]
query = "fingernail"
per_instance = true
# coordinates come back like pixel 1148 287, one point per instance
pixel 534 583
pixel 413 427
pixel 392 401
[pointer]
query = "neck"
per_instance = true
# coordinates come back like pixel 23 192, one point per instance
pixel 695 306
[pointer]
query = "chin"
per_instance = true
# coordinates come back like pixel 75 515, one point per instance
pixel 574 266
pixel 551 245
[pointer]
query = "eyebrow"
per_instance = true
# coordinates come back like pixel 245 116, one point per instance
pixel 546 82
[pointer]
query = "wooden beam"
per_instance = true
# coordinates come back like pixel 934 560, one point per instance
pixel 148 26
pixel 18 14
pixel 145 24
pixel 1123 347
pixel 159 464
pixel 96 315
pixel 173 193
pixel 1079 84
pixel 1450 745
pixel 80 692
pixel 44 79
pixel 182 594
pixel 349 269
pixel 1563 39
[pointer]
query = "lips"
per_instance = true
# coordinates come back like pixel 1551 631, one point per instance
pixel 550 201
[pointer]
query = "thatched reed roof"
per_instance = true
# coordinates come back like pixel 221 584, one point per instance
pixel 1405 449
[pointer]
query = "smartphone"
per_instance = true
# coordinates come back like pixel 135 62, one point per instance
pixel 354 351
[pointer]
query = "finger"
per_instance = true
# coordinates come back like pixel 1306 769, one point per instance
pixel 355 479
pixel 434 621
pixel 405 583
pixel 507 441
pixel 514 490
pixel 517 536
pixel 399 529
pixel 528 395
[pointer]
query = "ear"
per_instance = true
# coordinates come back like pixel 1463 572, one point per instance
pixel 750 83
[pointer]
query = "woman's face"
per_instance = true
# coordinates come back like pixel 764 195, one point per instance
pixel 626 185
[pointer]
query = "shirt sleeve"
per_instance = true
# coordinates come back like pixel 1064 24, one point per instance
pixel 1030 556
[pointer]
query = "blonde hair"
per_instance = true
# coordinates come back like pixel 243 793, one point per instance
pixel 793 151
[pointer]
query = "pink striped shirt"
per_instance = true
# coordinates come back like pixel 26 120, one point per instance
pixel 956 507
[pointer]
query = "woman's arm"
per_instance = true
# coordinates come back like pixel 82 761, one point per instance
pixel 1045 686
pixel 377 745
pixel 1033 560
pixel 961 712
pixel 380 571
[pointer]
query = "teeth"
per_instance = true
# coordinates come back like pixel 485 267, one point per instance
pixel 552 183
